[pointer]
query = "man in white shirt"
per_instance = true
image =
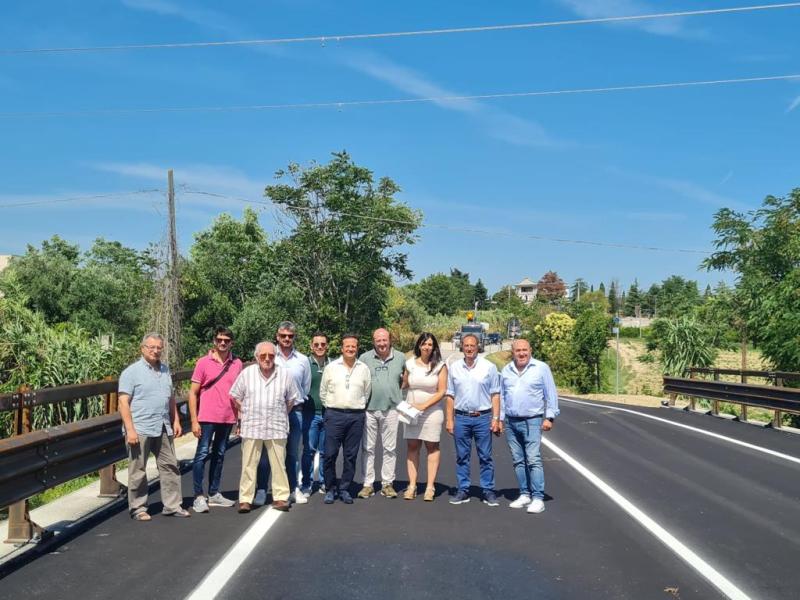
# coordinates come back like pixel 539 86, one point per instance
pixel 344 391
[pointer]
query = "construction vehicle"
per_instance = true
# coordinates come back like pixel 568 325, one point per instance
pixel 471 327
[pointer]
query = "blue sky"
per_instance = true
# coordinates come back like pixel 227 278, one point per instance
pixel 640 168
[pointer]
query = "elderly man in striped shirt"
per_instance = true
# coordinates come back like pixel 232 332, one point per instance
pixel 265 394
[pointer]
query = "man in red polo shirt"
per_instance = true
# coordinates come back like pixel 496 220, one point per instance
pixel 212 379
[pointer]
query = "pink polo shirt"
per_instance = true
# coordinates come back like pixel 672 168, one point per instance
pixel 216 405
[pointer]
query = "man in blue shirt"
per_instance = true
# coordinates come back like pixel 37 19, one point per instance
pixel 473 412
pixel 150 420
pixel 530 403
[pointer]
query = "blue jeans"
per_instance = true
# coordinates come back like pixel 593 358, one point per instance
pixel 524 438
pixel 292 454
pixel 210 451
pixel 479 429
pixel 313 442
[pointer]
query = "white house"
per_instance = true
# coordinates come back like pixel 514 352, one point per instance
pixel 526 290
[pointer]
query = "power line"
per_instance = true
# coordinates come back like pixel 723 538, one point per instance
pixel 468 229
pixel 77 198
pixel 356 103
pixel 400 34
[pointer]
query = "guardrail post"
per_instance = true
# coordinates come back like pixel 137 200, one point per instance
pixel 715 403
pixel 21 529
pixel 692 399
pixel 777 419
pixel 109 486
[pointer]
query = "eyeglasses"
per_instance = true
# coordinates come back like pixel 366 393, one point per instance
pixel 154 348
pixel 319 345
pixel 223 340
pixel 265 356
pixel 286 335
pixel 381 368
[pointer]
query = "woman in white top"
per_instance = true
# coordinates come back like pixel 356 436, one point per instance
pixel 425 378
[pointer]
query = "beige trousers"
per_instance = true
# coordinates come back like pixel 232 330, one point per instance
pixel 251 454
pixel 168 472
pixel 381 423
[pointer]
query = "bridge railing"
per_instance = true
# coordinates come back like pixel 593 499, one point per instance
pixel 34 461
pixel 777 398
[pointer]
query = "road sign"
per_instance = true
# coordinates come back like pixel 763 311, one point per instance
pixel 615 330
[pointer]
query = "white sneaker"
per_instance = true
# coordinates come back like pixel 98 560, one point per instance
pixel 220 500
pixel 536 506
pixel 521 502
pixel 200 505
pixel 300 497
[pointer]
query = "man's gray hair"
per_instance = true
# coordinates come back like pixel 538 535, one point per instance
pixel 287 325
pixel 259 345
pixel 153 335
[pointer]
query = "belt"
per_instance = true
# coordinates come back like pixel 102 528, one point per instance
pixel 347 410
pixel 510 418
pixel 474 413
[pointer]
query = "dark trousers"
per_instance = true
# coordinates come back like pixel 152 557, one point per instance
pixel 210 451
pixel 343 429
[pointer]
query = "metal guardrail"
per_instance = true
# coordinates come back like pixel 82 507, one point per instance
pixel 777 399
pixel 777 377
pixel 34 461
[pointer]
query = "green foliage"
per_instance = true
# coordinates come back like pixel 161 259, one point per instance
pixel 480 294
pixel 36 354
pixel 347 238
pixel 683 343
pixel 104 290
pixel 613 298
pixel 590 338
pixel 634 298
pixel 404 317
pixel 763 248
pixel 438 295
pixel 507 299
pixel 677 297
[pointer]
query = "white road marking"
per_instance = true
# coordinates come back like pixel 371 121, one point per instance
pixel 215 580
pixel 731 440
pixel 683 552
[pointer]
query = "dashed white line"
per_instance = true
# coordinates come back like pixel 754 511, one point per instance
pixel 216 579
pixel 685 553
pixel 731 440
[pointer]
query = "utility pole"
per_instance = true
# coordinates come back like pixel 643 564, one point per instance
pixel 173 294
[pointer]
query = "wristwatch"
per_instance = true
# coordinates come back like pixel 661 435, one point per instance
pixel 551 419
pixel 495 418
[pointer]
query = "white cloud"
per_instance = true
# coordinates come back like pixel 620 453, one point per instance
pixel 594 9
pixel 203 17
pixel 498 123
pixel 793 104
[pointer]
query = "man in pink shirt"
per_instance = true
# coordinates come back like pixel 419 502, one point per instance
pixel 212 379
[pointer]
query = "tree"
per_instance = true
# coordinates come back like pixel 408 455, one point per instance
pixel 577 289
pixel 347 240
pixel 590 338
pixel 602 288
pixel 437 295
pixel 763 248
pixel 550 287
pixel 634 298
pixel 480 294
pixel 677 296
pixel 613 300
pixel 507 299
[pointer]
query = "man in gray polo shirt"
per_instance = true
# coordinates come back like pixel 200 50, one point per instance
pixel 386 366
pixel 150 419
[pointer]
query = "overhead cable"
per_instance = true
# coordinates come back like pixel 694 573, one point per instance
pixel 356 103
pixel 77 198
pixel 400 34
pixel 464 229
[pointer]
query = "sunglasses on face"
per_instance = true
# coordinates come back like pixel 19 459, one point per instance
pixel 265 356
pixel 286 335
pixel 223 340
pixel 319 345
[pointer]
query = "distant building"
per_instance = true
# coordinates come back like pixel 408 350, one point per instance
pixel 526 290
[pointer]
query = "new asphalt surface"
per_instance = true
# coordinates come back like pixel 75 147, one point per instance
pixel 736 507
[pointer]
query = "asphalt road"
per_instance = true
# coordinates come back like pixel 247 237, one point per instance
pixel 735 507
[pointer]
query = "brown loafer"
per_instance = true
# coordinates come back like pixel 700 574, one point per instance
pixel 245 507
pixel 282 505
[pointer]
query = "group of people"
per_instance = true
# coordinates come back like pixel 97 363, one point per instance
pixel 331 406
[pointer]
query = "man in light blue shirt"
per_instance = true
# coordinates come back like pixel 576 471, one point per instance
pixel 473 412
pixel 297 364
pixel 150 422
pixel 530 403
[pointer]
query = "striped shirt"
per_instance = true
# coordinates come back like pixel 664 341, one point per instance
pixel 266 402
